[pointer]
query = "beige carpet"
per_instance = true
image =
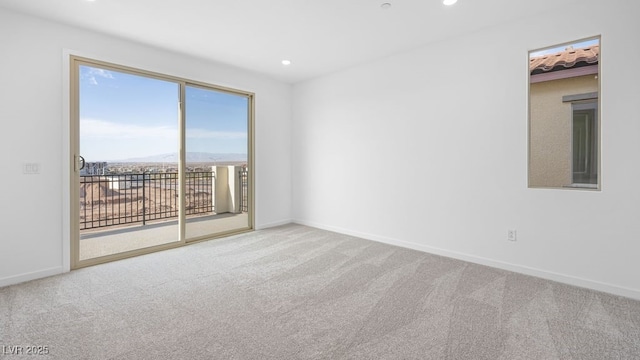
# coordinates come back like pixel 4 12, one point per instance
pixel 295 292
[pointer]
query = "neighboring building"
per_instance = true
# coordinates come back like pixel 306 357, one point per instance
pixel 94 168
pixel 563 126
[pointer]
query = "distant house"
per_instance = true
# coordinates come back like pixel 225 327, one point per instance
pixel 564 118
pixel 94 168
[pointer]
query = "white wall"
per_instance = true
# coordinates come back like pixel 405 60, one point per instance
pixel 34 242
pixel 428 149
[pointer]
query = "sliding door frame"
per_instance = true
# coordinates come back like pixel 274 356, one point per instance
pixel 74 137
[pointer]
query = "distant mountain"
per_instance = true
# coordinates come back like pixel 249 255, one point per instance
pixel 191 157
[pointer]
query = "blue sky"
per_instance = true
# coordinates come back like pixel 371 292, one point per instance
pixel 556 49
pixel 126 116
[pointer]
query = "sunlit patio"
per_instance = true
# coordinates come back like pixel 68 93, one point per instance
pixel 112 240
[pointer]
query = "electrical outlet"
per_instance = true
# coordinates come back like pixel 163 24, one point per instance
pixel 511 235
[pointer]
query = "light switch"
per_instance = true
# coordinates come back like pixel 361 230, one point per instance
pixel 31 168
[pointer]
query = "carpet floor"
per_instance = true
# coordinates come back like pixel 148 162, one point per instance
pixel 295 292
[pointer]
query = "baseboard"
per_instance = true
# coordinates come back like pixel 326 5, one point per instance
pixel 548 275
pixel 12 280
pixel 273 224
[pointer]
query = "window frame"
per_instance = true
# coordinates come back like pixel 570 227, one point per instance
pixel 75 62
pixel 592 165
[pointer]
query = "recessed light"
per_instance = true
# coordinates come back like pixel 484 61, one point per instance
pixel 286 62
pixel 385 6
pixel 449 2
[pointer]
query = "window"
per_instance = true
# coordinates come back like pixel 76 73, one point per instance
pixel 564 124
pixel 585 144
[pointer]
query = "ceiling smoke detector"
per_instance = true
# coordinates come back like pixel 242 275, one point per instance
pixel 385 6
pixel 449 2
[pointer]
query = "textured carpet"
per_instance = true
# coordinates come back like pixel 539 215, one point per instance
pixel 295 292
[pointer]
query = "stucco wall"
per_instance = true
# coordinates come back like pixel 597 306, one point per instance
pixel 550 129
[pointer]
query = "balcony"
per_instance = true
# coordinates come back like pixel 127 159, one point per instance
pixel 126 212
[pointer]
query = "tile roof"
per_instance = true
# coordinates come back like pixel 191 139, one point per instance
pixel 566 59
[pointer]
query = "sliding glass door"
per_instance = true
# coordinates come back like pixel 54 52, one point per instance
pixel 216 146
pixel 158 161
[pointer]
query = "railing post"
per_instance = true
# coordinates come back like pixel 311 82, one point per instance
pixel 213 188
pixel 144 208
pixel 241 190
pixel 245 189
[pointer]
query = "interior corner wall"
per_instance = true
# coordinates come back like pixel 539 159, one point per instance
pixel 428 149
pixel 34 241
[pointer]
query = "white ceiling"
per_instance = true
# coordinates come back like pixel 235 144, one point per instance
pixel 318 36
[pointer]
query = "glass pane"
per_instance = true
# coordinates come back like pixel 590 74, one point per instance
pixel 216 162
pixel 580 143
pixel 129 184
pixel 585 142
pixel 564 92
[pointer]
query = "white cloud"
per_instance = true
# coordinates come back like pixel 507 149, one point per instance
pixel 92 73
pixel 208 134
pixel 92 128
pixel 102 140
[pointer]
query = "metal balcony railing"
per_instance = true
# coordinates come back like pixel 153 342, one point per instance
pixel 244 190
pixel 110 200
